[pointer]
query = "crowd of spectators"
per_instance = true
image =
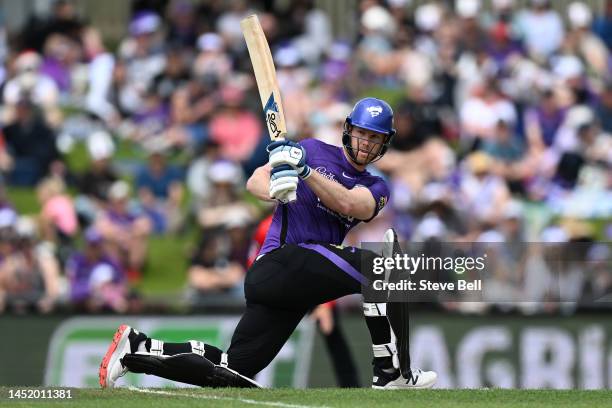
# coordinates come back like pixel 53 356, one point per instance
pixel 504 135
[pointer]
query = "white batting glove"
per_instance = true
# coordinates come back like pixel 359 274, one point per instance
pixel 283 183
pixel 289 153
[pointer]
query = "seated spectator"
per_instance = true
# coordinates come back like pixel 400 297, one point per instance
pixel 543 121
pixel 480 114
pixel 160 191
pixel 42 91
pixel 125 231
pixel 504 145
pixel 100 76
pixel 224 200
pixel 218 266
pixel 93 185
pixel 31 145
pixel 97 282
pixel 236 129
pixel 198 174
pixel 541 28
pixel 142 59
pixel 58 219
pixel 60 54
pixel 481 191
pixel 581 41
pixel 29 271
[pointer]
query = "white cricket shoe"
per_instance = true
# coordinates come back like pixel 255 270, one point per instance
pixel 395 381
pixel 125 341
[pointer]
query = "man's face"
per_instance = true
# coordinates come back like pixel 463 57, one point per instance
pixel 366 144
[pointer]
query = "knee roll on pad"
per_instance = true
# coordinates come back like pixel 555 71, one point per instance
pixel 187 368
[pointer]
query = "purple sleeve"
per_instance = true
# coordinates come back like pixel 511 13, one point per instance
pixel 381 194
pixel 311 146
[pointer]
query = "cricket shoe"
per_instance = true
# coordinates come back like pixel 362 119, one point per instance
pixel 394 380
pixel 125 340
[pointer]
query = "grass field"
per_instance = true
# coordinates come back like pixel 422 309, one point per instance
pixel 319 398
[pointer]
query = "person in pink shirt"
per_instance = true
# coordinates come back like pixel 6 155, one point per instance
pixel 236 129
pixel 58 215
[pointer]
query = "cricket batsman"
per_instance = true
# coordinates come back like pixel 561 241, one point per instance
pixel 302 264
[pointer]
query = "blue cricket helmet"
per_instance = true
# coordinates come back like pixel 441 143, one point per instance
pixel 372 114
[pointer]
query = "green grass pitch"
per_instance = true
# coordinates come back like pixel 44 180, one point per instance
pixel 317 398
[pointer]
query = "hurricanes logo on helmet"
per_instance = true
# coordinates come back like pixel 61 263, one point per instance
pixel 374 110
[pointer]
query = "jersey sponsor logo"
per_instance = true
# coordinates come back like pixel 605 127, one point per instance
pixel 374 110
pixel 327 174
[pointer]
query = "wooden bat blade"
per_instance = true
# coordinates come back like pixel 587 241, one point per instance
pixel 265 75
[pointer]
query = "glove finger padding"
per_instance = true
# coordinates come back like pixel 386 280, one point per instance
pixel 293 155
pixel 281 185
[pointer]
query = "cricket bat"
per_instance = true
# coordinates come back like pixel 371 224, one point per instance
pixel 265 75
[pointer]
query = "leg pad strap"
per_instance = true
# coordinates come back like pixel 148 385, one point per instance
pixel 374 309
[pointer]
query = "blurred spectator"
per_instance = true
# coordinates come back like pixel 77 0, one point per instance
pixel 142 58
pixel 100 77
pixel 28 84
pixel 198 174
pixel 482 193
pixel 543 121
pixel 481 113
pixel 60 53
pixel 95 182
pixel 182 30
pixel 29 272
pixel 124 230
pixel 602 24
pixel 174 76
pixel 31 145
pixel 236 129
pixel 314 30
pixel 219 264
pixel 505 145
pixel 581 41
pixel 224 201
pixel 293 80
pixel 212 63
pixel 62 20
pixel 97 282
pixel 58 219
pixel 542 29
pixel 160 191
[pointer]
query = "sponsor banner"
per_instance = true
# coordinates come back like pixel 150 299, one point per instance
pixel 506 351
pixel 573 352
pixel 78 345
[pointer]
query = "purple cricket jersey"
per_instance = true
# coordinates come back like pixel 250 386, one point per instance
pixel 308 219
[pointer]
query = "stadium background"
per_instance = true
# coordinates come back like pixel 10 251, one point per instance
pixel 504 137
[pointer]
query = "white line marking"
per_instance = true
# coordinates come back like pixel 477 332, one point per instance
pixel 218 398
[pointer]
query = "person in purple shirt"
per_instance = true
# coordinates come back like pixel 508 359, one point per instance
pixel 323 191
pixel 97 282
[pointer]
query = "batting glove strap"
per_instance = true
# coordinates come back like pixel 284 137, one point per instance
pixel 304 172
